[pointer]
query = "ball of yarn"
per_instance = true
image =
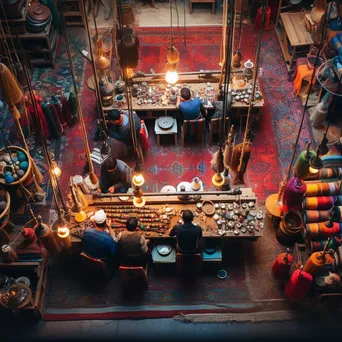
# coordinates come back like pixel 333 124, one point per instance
pixel 15 159
pixel 7 173
pixel 24 165
pixel 15 177
pixel 9 179
pixel 17 163
pixel 2 164
pixel 7 158
pixel 3 205
pixel 16 167
pixel 21 156
pixel 21 173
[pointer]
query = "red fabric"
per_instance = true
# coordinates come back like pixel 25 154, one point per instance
pixel 144 139
pixel 31 113
pixel 298 286
pixel 267 18
pixel 281 268
pixel 66 111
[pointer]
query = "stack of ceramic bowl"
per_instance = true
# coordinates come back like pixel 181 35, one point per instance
pixel 38 17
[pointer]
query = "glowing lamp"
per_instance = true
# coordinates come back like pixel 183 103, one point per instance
pixel 138 178
pixel 217 179
pixel 102 63
pixel 139 201
pixel 171 77
pixel 130 72
pixel 55 169
pixel 63 232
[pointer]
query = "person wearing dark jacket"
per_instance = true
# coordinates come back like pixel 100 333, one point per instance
pixel 119 126
pixel 116 176
pixel 189 235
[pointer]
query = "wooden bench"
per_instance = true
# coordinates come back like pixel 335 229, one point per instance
pixel 203 1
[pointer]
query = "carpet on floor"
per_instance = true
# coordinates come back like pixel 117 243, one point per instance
pixel 72 295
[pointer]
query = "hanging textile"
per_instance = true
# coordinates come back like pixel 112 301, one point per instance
pixel 56 117
pixel 66 111
pixel 50 120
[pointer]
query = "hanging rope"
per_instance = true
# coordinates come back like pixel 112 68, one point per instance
pixel 240 25
pixel 184 27
pixel 138 152
pixel 7 49
pixel 171 33
pixel 227 67
pixel 92 175
pixel 115 20
pixel 255 78
pixel 223 48
pixel 96 81
pixel 294 149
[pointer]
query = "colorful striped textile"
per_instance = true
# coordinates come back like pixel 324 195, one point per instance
pixel 321 202
pixel 325 173
pixel 322 189
pixel 311 216
pixel 332 160
pixel 337 214
pixel 318 230
pixel 194 128
pixel 316 246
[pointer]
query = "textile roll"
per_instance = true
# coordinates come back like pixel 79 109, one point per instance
pixel 322 189
pixel 312 216
pixel 56 117
pixel 51 121
pixel 290 228
pixel 45 235
pixel 59 111
pixel 298 286
pixel 317 246
pixel 329 172
pixel 293 194
pixel 316 261
pixel 331 160
pixel 318 230
pixel 321 202
pixel 281 266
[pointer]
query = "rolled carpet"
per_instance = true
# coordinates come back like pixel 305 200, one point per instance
pixel 332 160
pixel 319 231
pixel 325 173
pixel 311 216
pixel 322 189
pixel 321 202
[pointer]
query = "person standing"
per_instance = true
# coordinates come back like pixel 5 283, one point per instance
pixel 132 245
pixel 189 235
pixel 99 242
pixel 116 176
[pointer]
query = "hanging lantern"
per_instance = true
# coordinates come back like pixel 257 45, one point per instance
pixel 55 169
pixel 172 55
pixel 138 178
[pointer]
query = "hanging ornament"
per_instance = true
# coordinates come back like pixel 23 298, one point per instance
pixel 172 55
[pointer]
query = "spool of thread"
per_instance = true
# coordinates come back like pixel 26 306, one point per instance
pixel 29 235
pixel 301 167
pixel 316 261
pixel 9 253
pixel 336 217
pixel 329 172
pixel 298 285
pixel 293 194
pixel 312 216
pixel 44 233
pixel 281 266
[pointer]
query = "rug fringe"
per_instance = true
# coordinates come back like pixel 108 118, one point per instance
pixel 265 316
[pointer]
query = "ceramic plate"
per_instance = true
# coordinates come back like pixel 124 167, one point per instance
pixel 164 250
pixel 126 198
pixel 168 188
pixel 222 274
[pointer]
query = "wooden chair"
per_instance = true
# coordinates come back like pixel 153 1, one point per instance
pixel 215 127
pixel 133 277
pixel 189 265
pixel 195 128
pixel 95 266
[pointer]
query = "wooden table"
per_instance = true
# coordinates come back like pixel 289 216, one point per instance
pixel 293 33
pixel 209 225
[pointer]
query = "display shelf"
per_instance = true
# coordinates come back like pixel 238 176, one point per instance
pixel 16 26
pixel 72 12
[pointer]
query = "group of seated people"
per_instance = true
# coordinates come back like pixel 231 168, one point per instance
pixel 129 247
pixel 190 108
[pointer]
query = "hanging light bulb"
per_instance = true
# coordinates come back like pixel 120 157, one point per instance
pixel 55 169
pixel 138 178
pixel 63 232
pixel 171 76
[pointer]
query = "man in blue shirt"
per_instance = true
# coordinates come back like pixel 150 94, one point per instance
pixel 191 109
pixel 98 243
pixel 119 126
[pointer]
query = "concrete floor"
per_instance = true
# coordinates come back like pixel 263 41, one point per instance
pixel 147 16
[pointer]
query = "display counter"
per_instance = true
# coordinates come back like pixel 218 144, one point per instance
pixel 220 216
